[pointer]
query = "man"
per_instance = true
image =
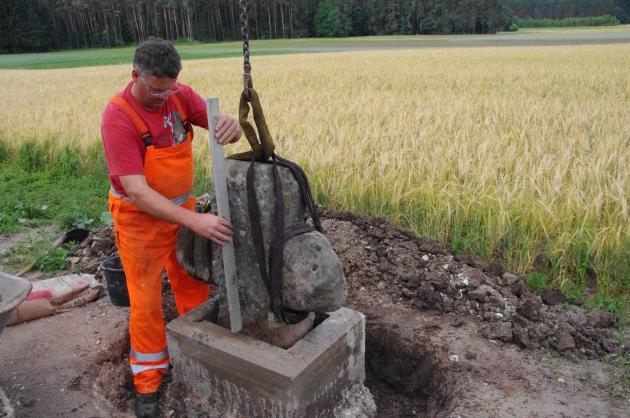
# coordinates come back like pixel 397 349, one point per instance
pixel 147 136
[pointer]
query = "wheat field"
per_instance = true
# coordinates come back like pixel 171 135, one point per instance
pixel 520 154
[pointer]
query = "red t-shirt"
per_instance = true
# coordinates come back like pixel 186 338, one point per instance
pixel 124 148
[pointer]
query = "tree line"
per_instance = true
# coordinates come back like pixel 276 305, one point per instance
pixel 563 9
pixel 42 25
pixel 604 20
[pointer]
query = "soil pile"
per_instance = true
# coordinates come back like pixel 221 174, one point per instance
pixel 425 275
pixel 442 330
pixel 98 246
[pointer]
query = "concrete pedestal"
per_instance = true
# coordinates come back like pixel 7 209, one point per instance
pixel 233 375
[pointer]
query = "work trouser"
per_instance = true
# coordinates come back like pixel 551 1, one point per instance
pixel 147 247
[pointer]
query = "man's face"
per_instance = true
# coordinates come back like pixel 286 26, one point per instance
pixel 152 91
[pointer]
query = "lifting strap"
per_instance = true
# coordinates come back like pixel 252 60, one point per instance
pixel 263 152
pixel 141 126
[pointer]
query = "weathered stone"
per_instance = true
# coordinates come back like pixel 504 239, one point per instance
pixel 540 331
pixel 427 297
pixel 484 294
pixel 498 331
pixel 493 316
pixel 297 291
pixel 610 345
pixel 576 318
pixel 519 288
pixel 313 279
pixel 600 318
pixel 563 340
pixel 252 289
pixel 509 279
pixel 521 337
pixel 194 254
pixel 554 297
pixel 493 281
pixel 202 257
pixel 530 310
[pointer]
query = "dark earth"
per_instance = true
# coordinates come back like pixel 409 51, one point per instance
pixel 447 336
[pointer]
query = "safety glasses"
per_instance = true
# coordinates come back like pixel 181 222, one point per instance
pixel 160 93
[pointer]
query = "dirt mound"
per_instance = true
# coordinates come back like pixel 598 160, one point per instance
pixel 425 275
pixel 98 246
pixel 439 327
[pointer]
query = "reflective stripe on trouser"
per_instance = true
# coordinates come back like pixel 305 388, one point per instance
pixel 149 357
pixel 179 200
pixel 146 325
pixel 143 362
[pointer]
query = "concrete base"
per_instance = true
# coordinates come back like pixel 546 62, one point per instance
pixel 233 375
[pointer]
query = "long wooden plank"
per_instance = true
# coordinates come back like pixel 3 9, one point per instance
pixel 219 181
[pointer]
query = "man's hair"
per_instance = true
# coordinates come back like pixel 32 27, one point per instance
pixel 158 58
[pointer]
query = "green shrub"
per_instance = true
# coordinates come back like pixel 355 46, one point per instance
pixel 538 282
pixel 31 156
pixel 66 162
pixel 606 20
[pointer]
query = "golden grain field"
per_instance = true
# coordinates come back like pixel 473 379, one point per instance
pixel 520 153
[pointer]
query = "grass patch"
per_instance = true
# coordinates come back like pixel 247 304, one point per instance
pixel 616 305
pixel 538 282
pixel 40 186
pixel 39 251
pixel 90 57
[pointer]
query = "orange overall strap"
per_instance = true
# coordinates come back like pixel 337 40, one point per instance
pixel 136 119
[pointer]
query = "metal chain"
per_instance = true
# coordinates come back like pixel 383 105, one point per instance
pixel 247 67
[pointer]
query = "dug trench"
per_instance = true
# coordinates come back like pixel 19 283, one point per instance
pixel 408 375
pixel 445 335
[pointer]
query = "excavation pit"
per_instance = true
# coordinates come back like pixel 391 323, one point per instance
pixel 226 374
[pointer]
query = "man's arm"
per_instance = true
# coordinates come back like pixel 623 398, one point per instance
pixel 149 201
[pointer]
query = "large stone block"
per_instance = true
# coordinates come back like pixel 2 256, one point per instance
pixel 313 278
pixel 253 293
pixel 233 375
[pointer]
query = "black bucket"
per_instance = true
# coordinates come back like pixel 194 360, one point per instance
pixel 115 279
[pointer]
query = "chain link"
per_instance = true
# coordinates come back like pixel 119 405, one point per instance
pixel 247 67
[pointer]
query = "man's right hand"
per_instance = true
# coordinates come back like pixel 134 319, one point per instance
pixel 212 227
pixel 207 225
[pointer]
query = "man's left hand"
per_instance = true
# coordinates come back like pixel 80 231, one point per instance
pixel 228 130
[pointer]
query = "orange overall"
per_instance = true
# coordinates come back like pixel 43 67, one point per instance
pixel 147 245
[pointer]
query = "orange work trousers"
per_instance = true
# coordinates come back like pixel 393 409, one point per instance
pixel 147 246
pixel 143 262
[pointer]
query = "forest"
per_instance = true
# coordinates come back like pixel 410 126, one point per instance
pixel 44 25
pixel 562 9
